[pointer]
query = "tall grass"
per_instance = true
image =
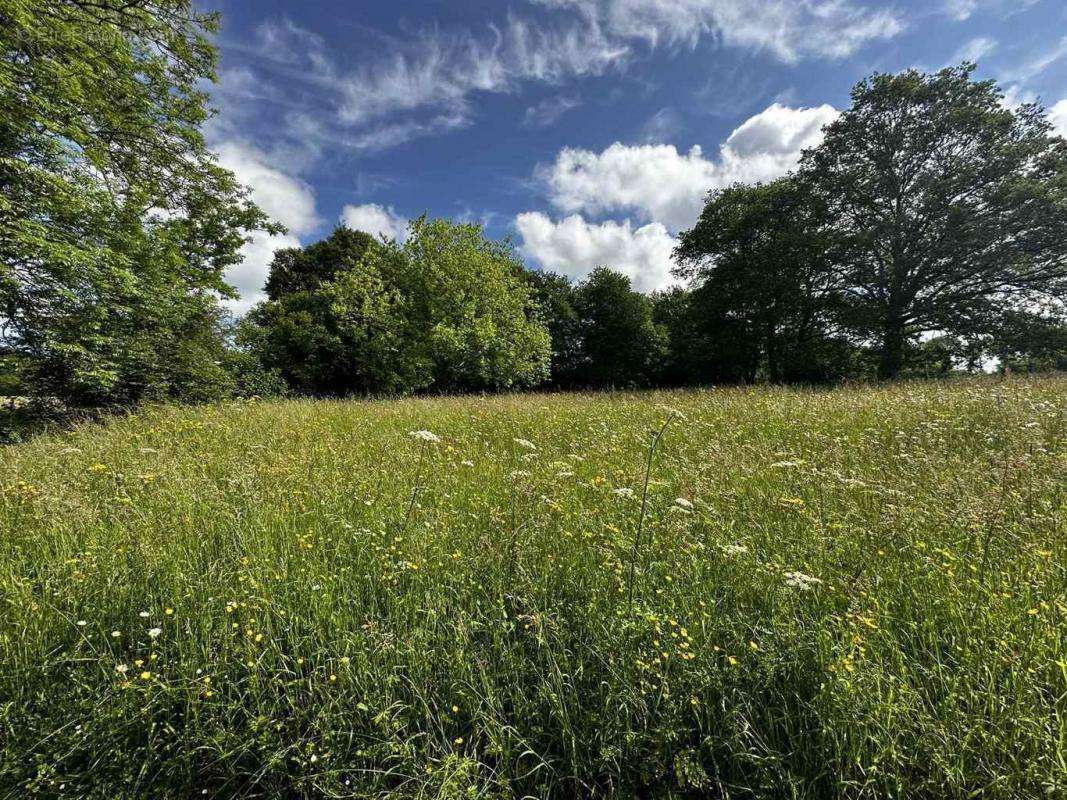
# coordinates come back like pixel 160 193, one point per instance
pixel 858 593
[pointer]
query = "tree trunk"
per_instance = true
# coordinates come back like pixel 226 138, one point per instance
pixel 892 355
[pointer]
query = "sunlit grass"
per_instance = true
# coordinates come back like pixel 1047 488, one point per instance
pixel 857 593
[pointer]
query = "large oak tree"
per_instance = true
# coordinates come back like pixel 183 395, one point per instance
pixel 940 198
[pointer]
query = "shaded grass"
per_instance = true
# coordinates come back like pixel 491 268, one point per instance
pixel 347 612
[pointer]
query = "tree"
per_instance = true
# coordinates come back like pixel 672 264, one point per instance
pixel 346 335
pixel 621 345
pixel 555 298
pixel 939 199
pixel 763 289
pixel 116 223
pixel 447 309
pixel 306 269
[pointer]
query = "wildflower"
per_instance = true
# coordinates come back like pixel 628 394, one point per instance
pixel 525 443
pixel 169 612
pixel 623 491
pixel 466 463
pixel 116 634
pixel 143 614
pixel 425 436
pixel 682 503
pixel 800 581
pixel 121 669
pixel 734 549
pixel 154 632
pixel 146 675
pixel 82 623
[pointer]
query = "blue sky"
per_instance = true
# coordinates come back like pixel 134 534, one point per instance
pixel 586 130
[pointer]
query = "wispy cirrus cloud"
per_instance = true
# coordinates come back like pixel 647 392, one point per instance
pixel 789 30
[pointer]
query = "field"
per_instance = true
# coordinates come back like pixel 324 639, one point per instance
pixel 855 593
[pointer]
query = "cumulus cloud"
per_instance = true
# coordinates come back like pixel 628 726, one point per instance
pixel 573 247
pixel 285 199
pixel 376 220
pixel 1058 117
pixel 662 185
pixel 250 275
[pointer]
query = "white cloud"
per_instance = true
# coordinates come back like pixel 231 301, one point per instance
pixel 662 185
pixel 249 276
pixel 376 220
pixel 1039 63
pixel 974 50
pixel 285 199
pixel 548 112
pixel 573 247
pixel 425 83
pixel 788 29
pixel 439 70
pixel 960 10
pixel 1058 117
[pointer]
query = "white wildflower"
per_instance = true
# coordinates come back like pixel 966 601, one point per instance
pixel 623 491
pixel 424 436
pixel 143 614
pixel 519 473
pixel 734 549
pixel 121 669
pixel 82 623
pixel 525 443
pixel 466 463
pixel 801 581
pixel 154 632
pixel 683 504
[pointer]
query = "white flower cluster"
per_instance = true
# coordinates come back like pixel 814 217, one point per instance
pixel 801 581
pixel 425 436
pixel 734 549
pixel 525 443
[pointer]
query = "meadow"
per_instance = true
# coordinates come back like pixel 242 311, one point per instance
pixel 856 593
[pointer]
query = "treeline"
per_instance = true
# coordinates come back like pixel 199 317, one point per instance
pixel 928 232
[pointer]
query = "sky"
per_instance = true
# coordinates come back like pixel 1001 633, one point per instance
pixel 588 132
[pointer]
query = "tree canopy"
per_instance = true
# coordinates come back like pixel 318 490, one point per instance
pixel 116 222
pixel 445 309
pixel 938 199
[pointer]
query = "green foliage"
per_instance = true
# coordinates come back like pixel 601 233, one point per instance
pixel 305 269
pixel 765 288
pixel 940 201
pixel 621 346
pixel 444 310
pixel 554 296
pixel 116 224
pixel 863 596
